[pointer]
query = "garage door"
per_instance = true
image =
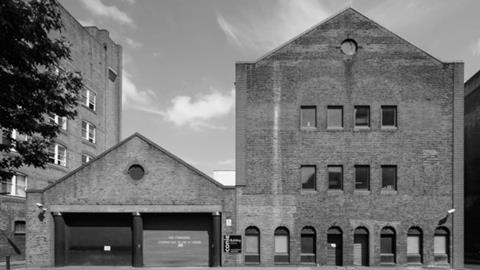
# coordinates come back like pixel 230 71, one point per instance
pixel 176 239
pixel 98 239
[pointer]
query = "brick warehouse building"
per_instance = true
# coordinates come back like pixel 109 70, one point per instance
pixel 472 169
pixel 349 152
pixel 95 129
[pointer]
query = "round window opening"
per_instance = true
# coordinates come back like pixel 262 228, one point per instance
pixel 136 172
pixel 349 47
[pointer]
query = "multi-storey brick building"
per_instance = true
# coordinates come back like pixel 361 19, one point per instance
pixel 472 169
pixel 96 127
pixel 349 152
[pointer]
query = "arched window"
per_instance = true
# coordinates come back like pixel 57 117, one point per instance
pixel 282 242
pixel 252 245
pixel 308 245
pixel 414 245
pixel 360 246
pixel 441 245
pixel 387 245
pixel 335 246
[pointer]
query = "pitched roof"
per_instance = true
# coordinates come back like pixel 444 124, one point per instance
pixel 143 138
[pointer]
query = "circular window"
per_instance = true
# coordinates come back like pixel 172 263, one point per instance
pixel 136 172
pixel 349 47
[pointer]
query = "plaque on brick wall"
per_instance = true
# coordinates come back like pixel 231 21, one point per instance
pixel 232 243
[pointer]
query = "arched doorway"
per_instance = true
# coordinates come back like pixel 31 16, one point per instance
pixel 360 246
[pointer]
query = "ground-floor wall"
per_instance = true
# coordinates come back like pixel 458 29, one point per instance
pixel 12 223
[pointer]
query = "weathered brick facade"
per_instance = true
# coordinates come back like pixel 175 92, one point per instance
pixel 271 146
pixel 93 53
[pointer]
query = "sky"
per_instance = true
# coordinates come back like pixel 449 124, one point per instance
pixel 179 56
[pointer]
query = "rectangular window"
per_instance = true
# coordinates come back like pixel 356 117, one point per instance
pixel 307 248
pixel 57 154
pixel 362 177
pixel 389 177
pixel 362 116
pixel 335 177
pixel 61 121
pixel 112 75
pixel 308 116
pixel 413 245
pixel 89 99
pixel 281 244
pixel 308 176
pixel 440 245
pixel 389 116
pixel 86 158
pixel 19 227
pixel 335 116
pixel 88 131
pixel 15 186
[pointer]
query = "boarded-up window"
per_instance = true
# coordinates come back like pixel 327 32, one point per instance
pixel 308 242
pixel 414 245
pixel 252 245
pixel 282 252
pixel 308 116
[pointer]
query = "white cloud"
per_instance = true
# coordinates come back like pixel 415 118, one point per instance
pixel 112 12
pixel 87 22
pixel 134 98
pixel 133 43
pixel 226 162
pixel 195 112
pixel 269 26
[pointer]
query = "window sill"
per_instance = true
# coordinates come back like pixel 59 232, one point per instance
pixel 89 143
pixel 361 128
pixel 58 167
pixel 361 192
pixel 334 191
pixel 308 191
pixel 388 192
pixel 88 109
pixel 388 128
pixel 387 264
pixel 334 128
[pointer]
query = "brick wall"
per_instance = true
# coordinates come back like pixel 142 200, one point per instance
pixel 312 70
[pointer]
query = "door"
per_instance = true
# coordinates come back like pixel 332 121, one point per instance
pixel 360 247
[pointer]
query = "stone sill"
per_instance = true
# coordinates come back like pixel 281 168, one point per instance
pixel 388 192
pixel 334 191
pixel 88 109
pixel 58 167
pixel 361 192
pixel 335 129
pixel 308 128
pixel 89 143
pixel 361 129
pixel 388 128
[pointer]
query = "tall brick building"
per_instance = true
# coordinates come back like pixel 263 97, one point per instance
pixel 96 127
pixel 472 169
pixel 349 152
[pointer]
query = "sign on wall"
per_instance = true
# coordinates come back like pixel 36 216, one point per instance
pixel 232 243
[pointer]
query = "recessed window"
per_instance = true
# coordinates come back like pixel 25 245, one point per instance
pixel 136 172
pixel 308 116
pixel 308 174
pixel 389 177
pixel 389 116
pixel 88 131
pixel 86 158
pixel 362 177
pixel 89 99
pixel 252 245
pixel 57 154
pixel 14 186
pixel 362 116
pixel 60 121
pixel 414 245
pixel 282 242
pixel 387 245
pixel 335 116
pixel 349 47
pixel 19 227
pixel 335 177
pixel 308 245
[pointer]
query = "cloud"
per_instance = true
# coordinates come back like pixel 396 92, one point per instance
pixel 134 98
pixel 87 22
pixel 269 26
pixel 130 2
pixel 133 43
pixel 195 112
pixel 112 12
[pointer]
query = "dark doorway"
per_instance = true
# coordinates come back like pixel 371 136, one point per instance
pixel 335 246
pixel 177 239
pixel 98 239
pixel 360 247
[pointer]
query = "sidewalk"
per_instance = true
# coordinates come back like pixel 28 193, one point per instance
pixel 235 268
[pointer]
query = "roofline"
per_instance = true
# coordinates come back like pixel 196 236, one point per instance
pixel 140 136
pixel 470 80
pixel 271 52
